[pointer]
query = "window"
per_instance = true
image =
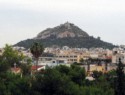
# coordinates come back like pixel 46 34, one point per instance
pixel 54 62
pixel 61 61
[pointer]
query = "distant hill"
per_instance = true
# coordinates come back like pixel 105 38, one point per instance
pixel 62 31
pixel 66 34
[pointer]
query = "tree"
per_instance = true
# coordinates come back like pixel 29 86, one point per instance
pixel 77 74
pixel 120 79
pixel 26 69
pixel 12 56
pixel 81 60
pixel 36 50
pixel 14 81
pixel 89 60
pixel 97 74
pixel 56 82
pixel 110 77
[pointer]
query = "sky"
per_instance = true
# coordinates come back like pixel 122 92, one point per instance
pixel 23 19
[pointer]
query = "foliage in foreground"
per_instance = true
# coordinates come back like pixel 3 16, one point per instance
pixel 60 80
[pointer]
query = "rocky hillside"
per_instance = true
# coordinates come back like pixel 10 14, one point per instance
pixel 66 34
pixel 62 31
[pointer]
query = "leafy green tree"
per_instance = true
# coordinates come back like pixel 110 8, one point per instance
pixel 16 85
pixel 29 60
pixel 55 82
pixel 36 49
pixel 81 60
pixel 97 74
pixel 77 74
pixel 63 69
pixel 3 88
pixel 110 77
pixel 120 80
pixel 26 69
pixel 4 66
pixel 12 56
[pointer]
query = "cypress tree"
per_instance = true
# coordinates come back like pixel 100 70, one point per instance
pixel 120 79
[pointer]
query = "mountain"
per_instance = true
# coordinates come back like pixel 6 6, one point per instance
pixel 62 31
pixel 66 34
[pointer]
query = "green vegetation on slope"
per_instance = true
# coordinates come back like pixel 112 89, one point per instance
pixel 86 42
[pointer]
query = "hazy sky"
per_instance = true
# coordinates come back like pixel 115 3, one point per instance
pixel 22 19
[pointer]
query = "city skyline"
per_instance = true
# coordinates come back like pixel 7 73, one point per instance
pixel 23 19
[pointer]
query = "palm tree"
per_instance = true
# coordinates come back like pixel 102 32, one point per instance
pixel 89 60
pixel 36 50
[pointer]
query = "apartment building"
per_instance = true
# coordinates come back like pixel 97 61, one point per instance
pixel 50 60
pixel 71 58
